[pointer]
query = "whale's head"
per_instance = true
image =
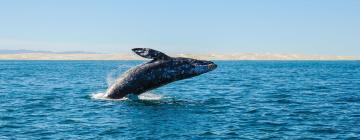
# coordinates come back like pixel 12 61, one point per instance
pixel 193 67
pixel 178 67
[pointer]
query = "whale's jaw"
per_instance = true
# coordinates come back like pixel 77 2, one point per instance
pixel 212 67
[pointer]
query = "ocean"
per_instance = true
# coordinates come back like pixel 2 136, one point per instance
pixel 238 100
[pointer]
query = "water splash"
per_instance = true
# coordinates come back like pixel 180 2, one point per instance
pixel 147 96
pixel 102 96
pixel 117 73
pixel 111 77
pixel 150 96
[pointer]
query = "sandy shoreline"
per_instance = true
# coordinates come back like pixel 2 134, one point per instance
pixel 117 56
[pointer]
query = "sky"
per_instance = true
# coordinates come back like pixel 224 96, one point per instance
pixel 325 27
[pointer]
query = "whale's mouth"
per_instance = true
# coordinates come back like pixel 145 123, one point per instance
pixel 204 68
pixel 212 66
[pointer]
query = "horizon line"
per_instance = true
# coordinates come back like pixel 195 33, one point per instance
pixel 209 56
pixel 28 51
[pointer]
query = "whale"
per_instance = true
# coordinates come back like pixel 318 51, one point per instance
pixel 159 71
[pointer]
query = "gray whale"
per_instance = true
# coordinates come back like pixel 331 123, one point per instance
pixel 161 70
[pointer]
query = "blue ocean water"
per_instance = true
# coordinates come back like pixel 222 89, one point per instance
pixel 239 100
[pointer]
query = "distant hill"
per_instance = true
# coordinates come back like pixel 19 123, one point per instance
pixel 81 55
pixel 23 51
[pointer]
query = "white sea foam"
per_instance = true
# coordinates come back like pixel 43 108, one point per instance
pixel 102 96
pixel 147 96
pixel 150 96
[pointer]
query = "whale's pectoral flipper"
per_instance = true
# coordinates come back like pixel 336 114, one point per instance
pixel 150 53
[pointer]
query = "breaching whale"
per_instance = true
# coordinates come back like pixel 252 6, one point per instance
pixel 161 70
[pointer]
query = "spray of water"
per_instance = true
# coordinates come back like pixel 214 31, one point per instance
pixel 101 96
pixel 114 74
pixel 148 96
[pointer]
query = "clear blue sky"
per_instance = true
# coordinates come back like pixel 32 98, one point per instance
pixel 225 26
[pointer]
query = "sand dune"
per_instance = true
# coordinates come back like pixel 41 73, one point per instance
pixel 116 56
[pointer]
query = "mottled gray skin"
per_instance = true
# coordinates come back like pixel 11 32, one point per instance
pixel 158 72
